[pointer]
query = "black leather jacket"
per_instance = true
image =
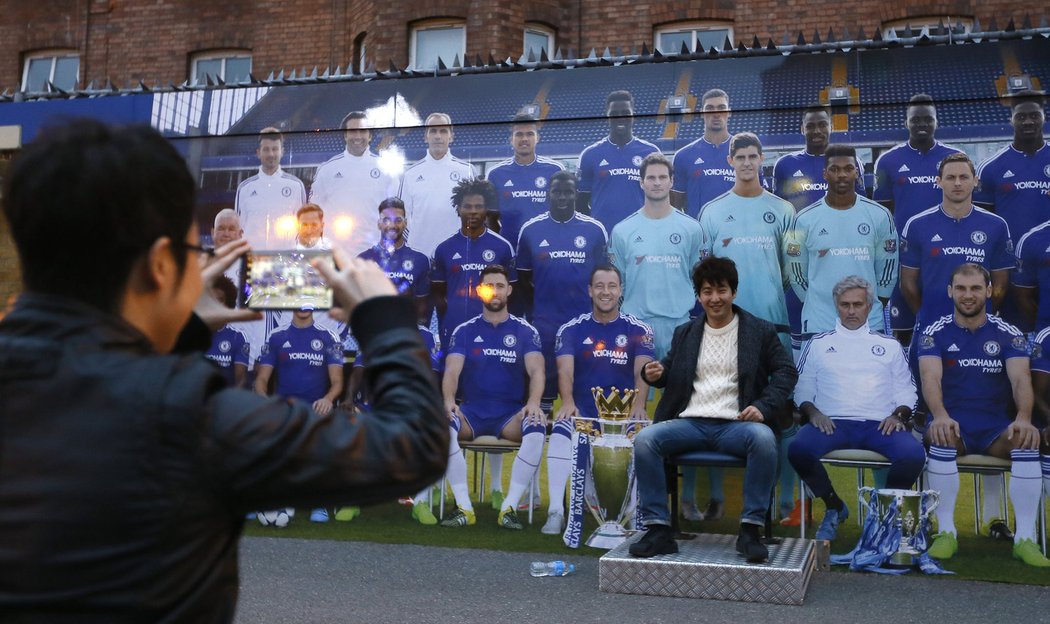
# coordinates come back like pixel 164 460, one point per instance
pixel 125 475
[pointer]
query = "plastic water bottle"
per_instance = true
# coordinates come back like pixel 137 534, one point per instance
pixel 551 568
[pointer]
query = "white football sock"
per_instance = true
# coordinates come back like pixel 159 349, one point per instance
pixel 456 474
pixel 1046 475
pixel 524 467
pixel 495 472
pixel 1025 482
pixel 944 477
pixel 559 465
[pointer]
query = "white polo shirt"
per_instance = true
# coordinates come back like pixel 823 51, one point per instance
pixel 349 189
pixel 426 189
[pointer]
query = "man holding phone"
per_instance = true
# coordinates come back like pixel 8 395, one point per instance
pixel 123 496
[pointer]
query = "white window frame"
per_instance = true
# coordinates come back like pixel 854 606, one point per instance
pixel 54 55
pixel 445 24
pixel 220 55
pixel 924 23
pixel 534 28
pixel 691 27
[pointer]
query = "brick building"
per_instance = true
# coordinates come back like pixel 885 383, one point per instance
pixel 168 41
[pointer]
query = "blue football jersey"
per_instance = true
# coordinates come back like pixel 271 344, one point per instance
pixel 936 244
pixel 1017 186
pixel 493 379
pixel 974 383
pixel 300 357
pixel 561 256
pixel 229 346
pixel 407 268
pixel 522 191
pixel 908 178
pixel 1041 352
pixel 612 175
pixel 603 355
pixel 702 172
pixel 1033 268
pixel 458 262
pixel 799 178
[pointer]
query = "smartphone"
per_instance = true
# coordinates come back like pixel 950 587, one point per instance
pixel 284 280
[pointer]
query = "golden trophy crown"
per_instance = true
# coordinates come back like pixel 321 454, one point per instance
pixel 615 405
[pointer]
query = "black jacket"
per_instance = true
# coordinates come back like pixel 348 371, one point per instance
pixel 766 373
pixel 125 475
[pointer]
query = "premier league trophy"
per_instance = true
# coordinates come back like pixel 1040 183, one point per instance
pixel 605 449
pixel 903 512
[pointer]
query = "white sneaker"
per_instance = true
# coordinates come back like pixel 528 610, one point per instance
pixel 690 512
pixel 554 525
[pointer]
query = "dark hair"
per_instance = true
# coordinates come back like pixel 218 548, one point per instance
pixel 815 108
pixel 969 268
pixel 495 268
pixel 656 158
pixel 741 140
pixel 920 99
pixel 475 187
pixel 619 96
pixel 839 149
pixel 270 134
pixel 229 291
pixel 955 157
pixel 1028 95
pixel 605 266
pixel 307 208
pixel 392 202
pixel 524 118
pixel 563 175
pixel 716 271
pixel 352 115
pixel 711 94
pixel 82 177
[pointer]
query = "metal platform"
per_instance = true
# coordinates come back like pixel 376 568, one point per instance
pixel 709 567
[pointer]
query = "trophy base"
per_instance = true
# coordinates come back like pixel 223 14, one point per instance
pixel 608 536
pixel 901 561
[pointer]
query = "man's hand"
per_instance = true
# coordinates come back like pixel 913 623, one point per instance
pixel 638 410
pixel 452 410
pixel 819 420
pixel 890 424
pixel 943 431
pixel 1046 436
pixel 567 410
pixel 355 280
pixel 323 406
pixel 653 371
pixel 208 308
pixel 750 414
pixel 1024 435
pixel 533 412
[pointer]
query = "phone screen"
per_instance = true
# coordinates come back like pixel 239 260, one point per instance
pixel 284 280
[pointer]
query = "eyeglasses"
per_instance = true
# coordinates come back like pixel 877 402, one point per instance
pixel 207 251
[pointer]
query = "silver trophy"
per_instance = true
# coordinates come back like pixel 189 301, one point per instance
pixel 910 518
pixel 612 454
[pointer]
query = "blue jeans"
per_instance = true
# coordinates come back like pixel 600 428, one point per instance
pixel 753 441
pixel 906 455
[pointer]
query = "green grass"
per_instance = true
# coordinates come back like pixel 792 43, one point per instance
pixel 979 558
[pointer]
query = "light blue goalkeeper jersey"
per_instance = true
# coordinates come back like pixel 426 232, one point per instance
pixel 656 257
pixel 750 232
pixel 825 244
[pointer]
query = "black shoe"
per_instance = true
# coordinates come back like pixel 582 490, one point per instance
pixel 658 540
pixel 998 530
pixel 750 545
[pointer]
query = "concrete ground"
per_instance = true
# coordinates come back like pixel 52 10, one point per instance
pixel 308 581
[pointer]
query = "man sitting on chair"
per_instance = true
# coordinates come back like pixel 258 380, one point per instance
pixel 490 357
pixel 725 377
pixel 855 388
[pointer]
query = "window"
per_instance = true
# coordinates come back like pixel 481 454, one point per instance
pixel 360 54
pixel 919 25
pixel 231 66
pixel 696 37
pixel 433 40
pixel 60 67
pixel 537 39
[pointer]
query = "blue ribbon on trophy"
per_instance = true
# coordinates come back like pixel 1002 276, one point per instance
pixel 895 535
pixel 581 456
